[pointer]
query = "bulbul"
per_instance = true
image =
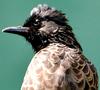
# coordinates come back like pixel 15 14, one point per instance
pixel 59 62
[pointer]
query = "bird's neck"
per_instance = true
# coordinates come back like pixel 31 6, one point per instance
pixel 64 36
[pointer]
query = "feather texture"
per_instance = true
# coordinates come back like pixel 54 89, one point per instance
pixel 58 67
pixel 59 63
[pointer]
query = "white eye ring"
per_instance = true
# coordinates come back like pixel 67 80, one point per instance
pixel 36 22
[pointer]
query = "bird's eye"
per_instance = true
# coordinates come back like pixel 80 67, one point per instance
pixel 36 22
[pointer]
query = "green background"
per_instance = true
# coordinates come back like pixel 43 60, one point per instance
pixel 16 53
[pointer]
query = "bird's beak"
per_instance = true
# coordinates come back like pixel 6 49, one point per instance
pixel 17 30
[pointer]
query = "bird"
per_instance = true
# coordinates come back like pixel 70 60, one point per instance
pixel 59 62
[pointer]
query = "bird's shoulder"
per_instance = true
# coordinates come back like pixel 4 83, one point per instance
pixel 55 57
pixel 56 53
pixel 62 61
pixel 57 65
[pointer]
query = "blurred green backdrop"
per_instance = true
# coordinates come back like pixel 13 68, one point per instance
pixel 16 53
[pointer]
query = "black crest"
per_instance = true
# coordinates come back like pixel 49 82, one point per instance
pixel 63 35
pixel 36 32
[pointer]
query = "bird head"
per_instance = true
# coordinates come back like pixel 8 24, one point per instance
pixel 45 25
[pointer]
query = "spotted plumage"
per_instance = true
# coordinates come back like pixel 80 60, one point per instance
pixel 59 62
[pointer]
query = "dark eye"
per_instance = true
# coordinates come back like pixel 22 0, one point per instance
pixel 36 22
